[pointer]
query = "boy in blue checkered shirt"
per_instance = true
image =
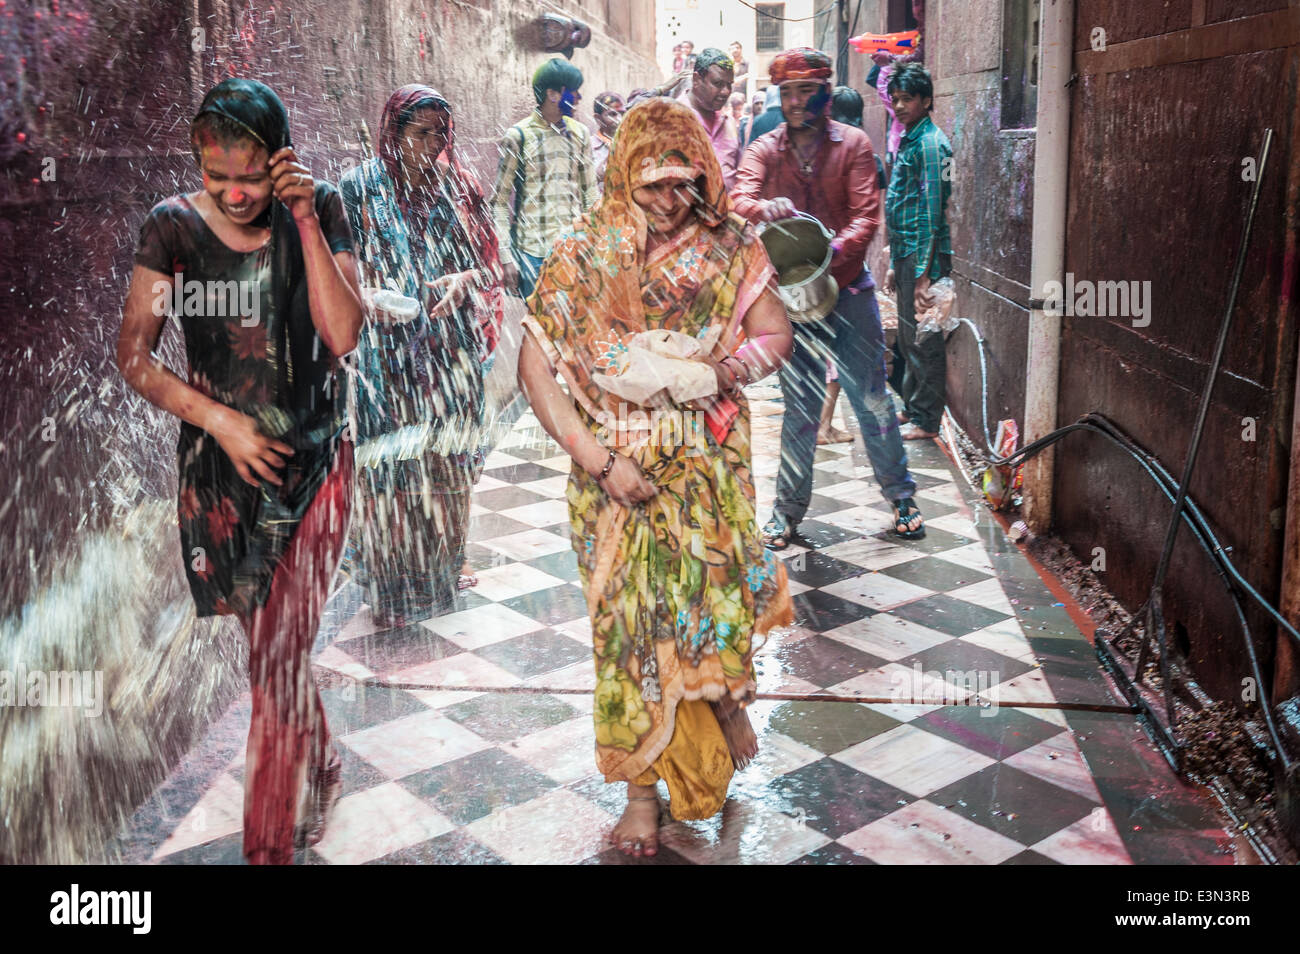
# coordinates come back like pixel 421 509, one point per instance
pixel 920 251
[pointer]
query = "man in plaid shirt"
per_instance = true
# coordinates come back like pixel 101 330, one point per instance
pixel 920 252
pixel 546 177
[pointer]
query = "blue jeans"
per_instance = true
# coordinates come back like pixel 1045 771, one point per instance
pixel 850 336
pixel 529 268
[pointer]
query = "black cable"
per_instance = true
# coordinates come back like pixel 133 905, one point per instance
pixel 783 19
pixel 1192 515
pixel 841 68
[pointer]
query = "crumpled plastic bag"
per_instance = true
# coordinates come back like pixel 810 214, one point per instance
pixel 938 317
pixel 654 367
pixel 1002 483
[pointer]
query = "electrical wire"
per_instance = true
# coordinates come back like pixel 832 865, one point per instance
pixel 1192 515
pixel 785 19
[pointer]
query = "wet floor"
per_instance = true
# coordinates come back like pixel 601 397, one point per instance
pixel 468 738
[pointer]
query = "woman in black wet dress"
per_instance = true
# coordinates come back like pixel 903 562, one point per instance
pixel 268 300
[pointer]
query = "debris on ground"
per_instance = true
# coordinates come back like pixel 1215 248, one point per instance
pixel 1222 744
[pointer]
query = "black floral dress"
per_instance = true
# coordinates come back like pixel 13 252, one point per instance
pixel 251 345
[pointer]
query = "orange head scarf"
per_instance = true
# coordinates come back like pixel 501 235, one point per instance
pixel 590 293
pixel 658 139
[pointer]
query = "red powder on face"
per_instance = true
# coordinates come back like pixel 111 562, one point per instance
pixel 206 138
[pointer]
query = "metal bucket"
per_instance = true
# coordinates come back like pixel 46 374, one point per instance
pixel 800 250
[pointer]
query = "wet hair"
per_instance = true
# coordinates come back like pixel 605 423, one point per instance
pixel 555 73
pixel 222 130
pixel 846 105
pixel 913 79
pixel 712 56
pixel 427 102
pixel 241 110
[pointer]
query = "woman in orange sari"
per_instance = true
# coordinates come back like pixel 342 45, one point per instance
pixel 680 589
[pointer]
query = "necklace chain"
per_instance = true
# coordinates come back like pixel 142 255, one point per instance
pixel 805 161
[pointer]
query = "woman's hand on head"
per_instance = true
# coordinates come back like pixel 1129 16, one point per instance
pixel 293 184
pixel 626 483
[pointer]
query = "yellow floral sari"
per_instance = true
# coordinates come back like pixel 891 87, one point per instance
pixel 680 589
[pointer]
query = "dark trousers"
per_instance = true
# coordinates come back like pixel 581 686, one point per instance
pixel 852 338
pixel 920 373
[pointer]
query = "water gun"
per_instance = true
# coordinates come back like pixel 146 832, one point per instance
pixel 898 43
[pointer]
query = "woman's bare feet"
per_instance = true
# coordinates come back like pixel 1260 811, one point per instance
pixel 637 832
pixel 737 730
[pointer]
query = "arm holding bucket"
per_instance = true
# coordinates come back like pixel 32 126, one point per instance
pixel 747 193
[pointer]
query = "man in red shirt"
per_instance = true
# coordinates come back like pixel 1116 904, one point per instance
pixel 814 165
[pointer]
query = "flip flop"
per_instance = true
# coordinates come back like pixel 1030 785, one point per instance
pixel 904 510
pixel 778 532
pixel 326 785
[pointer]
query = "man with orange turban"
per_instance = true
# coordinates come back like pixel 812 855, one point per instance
pixel 814 165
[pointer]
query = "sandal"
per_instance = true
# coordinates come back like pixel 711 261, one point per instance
pixel 325 787
pixel 905 511
pixel 778 532
pixel 465 581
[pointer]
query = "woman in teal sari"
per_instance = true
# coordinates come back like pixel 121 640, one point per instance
pixel 423 231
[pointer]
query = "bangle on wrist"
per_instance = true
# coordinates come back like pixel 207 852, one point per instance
pixel 609 465
pixel 748 378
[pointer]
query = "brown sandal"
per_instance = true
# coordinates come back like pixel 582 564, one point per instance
pixel 326 786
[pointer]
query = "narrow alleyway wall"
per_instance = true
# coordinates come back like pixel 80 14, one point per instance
pixel 1166 122
pixel 95 104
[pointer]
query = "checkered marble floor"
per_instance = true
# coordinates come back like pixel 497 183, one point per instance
pixel 468 738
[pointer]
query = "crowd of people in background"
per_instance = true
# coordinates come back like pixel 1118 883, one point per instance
pixel 384 297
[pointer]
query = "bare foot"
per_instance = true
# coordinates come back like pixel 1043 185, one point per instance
pixel 737 730
pixel 637 832
pixel 833 435
pixel 913 432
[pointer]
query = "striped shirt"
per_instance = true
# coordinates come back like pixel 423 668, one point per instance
pixel 544 182
pixel 918 197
